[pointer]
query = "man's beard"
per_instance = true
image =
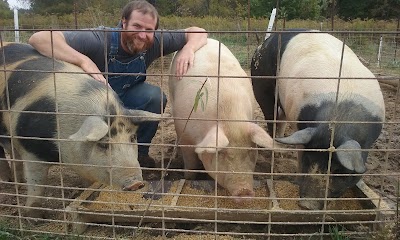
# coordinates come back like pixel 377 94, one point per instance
pixel 140 46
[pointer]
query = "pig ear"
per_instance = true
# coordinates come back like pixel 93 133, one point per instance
pixel 209 142
pixel 142 116
pixel 259 136
pixel 93 129
pixel 351 159
pixel 301 137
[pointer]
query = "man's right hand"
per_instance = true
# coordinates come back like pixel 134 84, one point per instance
pixel 91 68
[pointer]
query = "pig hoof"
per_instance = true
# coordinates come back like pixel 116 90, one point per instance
pixel 133 187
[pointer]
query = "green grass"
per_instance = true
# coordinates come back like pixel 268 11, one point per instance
pixel 7 232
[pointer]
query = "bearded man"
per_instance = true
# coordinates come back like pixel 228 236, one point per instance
pixel 123 54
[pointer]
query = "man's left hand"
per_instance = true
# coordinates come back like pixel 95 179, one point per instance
pixel 184 61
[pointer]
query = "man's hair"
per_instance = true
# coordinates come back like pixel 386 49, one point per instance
pixel 141 6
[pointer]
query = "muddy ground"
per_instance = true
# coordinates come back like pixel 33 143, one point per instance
pixel 383 164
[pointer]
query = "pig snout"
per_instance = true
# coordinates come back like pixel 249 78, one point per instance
pixel 243 195
pixel 133 184
pixel 311 204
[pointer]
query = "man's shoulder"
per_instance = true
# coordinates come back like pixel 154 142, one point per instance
pixel 170 37
pixel 88 34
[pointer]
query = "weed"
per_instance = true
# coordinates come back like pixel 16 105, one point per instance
pixel 337 234
pixel 202 92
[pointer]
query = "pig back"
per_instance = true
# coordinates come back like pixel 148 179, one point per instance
pixel 60 94
pixel 309 72
pixel 224 86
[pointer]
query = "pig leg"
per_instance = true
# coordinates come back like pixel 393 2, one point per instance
pixel 264 91
pixel 281 126
pixel 191 162
pixel 5 171
pixel 17 168
pixel 36 174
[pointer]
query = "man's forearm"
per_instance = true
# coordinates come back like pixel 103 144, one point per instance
pixel 53 44
pixel 196 38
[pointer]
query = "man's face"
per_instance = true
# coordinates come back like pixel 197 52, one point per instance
pixel 134 42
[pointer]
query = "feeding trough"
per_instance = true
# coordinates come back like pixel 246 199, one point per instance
pixel 197 201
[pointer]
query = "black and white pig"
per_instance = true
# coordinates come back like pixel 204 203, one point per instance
pixel 220 136
pixel 65 116
pixel 307 86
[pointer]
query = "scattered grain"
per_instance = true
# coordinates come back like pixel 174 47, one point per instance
pixel 112 199
pixel 286 189
pixel 190 237
pixel 345 204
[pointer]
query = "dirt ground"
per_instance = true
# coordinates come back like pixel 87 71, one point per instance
pixel 383 167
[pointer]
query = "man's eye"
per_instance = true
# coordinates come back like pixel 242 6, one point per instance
pixel 136 26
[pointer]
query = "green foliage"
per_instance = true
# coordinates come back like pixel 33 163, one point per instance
pixel 8 233
pixel 290 9
pixel 167 8
pixel 5 10
pixel 337 234
pixel 261 8
pixel 300 9
pixel 364 9
pixel 62 7
pixel 52 7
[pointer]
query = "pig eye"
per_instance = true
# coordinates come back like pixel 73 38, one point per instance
pixel 103 145
pixel 134 138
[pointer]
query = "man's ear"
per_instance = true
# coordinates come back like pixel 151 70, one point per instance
pixel 123 23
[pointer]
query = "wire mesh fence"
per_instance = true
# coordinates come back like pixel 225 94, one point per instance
pixel 169 205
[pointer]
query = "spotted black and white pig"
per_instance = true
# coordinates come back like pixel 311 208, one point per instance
pixel 228 98
pixel 308 88
pixel 65 117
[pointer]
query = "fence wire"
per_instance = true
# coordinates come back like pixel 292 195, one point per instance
pixel 170 206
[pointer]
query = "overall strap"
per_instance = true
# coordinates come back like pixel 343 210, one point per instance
pixel 114 43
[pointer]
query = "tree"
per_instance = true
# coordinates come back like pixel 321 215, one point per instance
pixel 363 9
pixel 261 8
pixel 192 8
pixel 349 10
pixel 61 7
pixel 301 9
pixel 5 10
pixel 386 9
pixel 167 7
pixel 292 9
pixel 228 8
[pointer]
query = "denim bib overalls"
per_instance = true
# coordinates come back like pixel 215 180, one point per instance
pixel 133 91
pixel 137 65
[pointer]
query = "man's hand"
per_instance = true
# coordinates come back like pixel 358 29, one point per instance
pixel 184 61
pixel 91 68
pixel 53 44
pixel 195 38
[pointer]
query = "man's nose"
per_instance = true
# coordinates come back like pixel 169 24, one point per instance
pixel 142 35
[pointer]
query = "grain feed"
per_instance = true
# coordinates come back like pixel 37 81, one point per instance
pixel 112 199
pixel 199 237
pixel 286 189
pixel 345 204
pixel 207 199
